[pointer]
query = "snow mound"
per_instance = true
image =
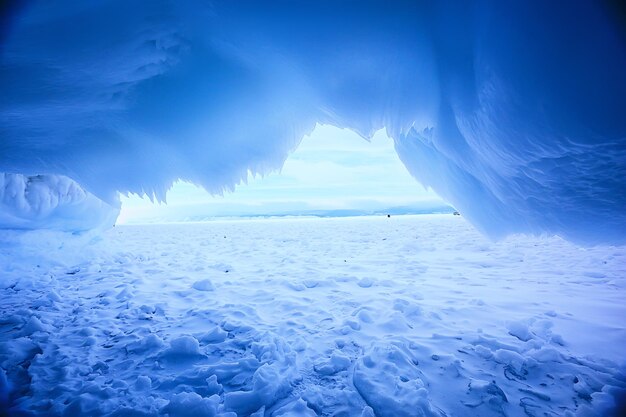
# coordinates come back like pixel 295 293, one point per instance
pixel 514 119
pixel 392 384
pixel 184 346
pixel 203 285
pixel 50 202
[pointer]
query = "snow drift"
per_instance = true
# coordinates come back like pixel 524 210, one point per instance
pixel 514 111
pixel 51 202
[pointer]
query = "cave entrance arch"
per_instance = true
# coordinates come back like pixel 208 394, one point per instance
pixel 333 172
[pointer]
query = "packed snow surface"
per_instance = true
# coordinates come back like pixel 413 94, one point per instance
pixel 513 111
pixel 372 316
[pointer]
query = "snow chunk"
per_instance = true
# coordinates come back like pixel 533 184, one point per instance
pixel 184 346
pixel 203 285
pixel 268 385
pixel 298 408
pixel 216 335
pixel 391 384
pixel 149 343
pixel 143 383
pixel 336 363
pixel 520 330
pixel 484 392
pixel 34 325
pixel 190 404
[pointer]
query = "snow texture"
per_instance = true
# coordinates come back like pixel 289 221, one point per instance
pixel 512 111
pixel 449 324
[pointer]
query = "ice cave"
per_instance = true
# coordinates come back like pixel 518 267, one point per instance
pixel 513 113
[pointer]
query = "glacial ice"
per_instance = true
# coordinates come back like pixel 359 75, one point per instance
pixel 51 202
pixel 512 111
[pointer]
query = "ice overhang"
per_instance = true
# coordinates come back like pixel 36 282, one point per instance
pixel 510 111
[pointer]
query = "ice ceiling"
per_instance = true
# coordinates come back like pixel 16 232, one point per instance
pixel 515 111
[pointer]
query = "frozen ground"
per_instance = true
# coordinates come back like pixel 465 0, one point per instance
pixel 373 316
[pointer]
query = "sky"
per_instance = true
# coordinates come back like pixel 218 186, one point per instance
pixel 332 169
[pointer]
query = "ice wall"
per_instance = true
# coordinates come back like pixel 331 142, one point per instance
pixel 51 202
pixel 513 111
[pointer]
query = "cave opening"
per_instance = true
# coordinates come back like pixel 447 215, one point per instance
pixel 333 172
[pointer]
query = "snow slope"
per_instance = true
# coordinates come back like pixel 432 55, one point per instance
pixel 512 111
pixel 370 316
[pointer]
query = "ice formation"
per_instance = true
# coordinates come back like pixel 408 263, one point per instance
pixel 51 202
pixel 512 111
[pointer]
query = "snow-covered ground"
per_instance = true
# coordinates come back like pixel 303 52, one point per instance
pixel 369 316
